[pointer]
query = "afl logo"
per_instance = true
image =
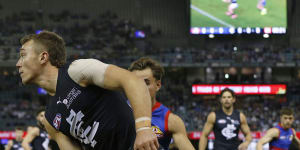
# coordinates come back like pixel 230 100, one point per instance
pixel 57 121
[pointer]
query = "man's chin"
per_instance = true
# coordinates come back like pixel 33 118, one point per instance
pixel 287 126
pixel 39 124
pixel 25 82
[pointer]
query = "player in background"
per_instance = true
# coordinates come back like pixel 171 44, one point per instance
pixel 261 6
pixel 165 124
pixel 37 138
pixel 16 143
pixel 231 8
pixel 226 123
pixel 281 136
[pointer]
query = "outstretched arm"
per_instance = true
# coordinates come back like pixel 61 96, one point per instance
pixel 270 134
pixel 207 129
pixel 92 71
pixel 177 128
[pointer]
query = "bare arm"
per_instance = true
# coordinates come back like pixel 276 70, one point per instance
pixel 64 142
pixel 246 131
pixel 114 78
pixel 139 97
pixel 93 72
pixel 9 145
pixel 271 134
pixel 177 128
pixel 32 132
pixel 134 88
pixel 296 138
pixel 207 129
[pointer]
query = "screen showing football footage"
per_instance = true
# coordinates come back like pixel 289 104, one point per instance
pixel 238 16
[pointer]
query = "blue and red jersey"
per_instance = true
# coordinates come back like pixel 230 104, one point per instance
pixel 159 123
pixel 284 140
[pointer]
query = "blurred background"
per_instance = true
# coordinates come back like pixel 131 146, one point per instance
pixel 193 52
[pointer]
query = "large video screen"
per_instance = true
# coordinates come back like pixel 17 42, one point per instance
pixel 238 16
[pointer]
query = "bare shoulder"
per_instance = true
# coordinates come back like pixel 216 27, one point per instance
pixel 276 130
pixel 211 118
pixel 242 117
pixel 273 132
pixel 33 130
pixel 84 71
pixel 176 124
pixel 174 120
pixel 242 114
pixel 81 64
pixel 84 61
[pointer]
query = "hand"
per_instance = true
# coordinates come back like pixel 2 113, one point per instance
pixel 243 146
pixel 146 140
pixel 10 143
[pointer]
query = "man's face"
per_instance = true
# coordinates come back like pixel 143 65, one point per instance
pixel 227 100
pixel 39 119
pixel 152 84
pixel 28 64
pixel 286 121
pixel 19 134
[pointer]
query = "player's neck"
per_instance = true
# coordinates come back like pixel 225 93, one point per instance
pixel 48 79
pixel 19 140
pixel 227 111
pixel 153 101
pixel 284 127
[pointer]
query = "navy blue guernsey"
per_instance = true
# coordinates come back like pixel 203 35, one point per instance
pixel 94 117
pixel 226 130
pixel 40 142
pixel 17 145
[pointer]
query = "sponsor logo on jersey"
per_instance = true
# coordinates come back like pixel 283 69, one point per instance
pixel 290 138
pixel 282 137
pixel 157 131
pixel 222 121
pixel 57 121
pixel 84 135
pixel 72 95
pixel 235 122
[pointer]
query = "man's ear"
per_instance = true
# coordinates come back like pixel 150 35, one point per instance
pixel 158 85
pixel 44 57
